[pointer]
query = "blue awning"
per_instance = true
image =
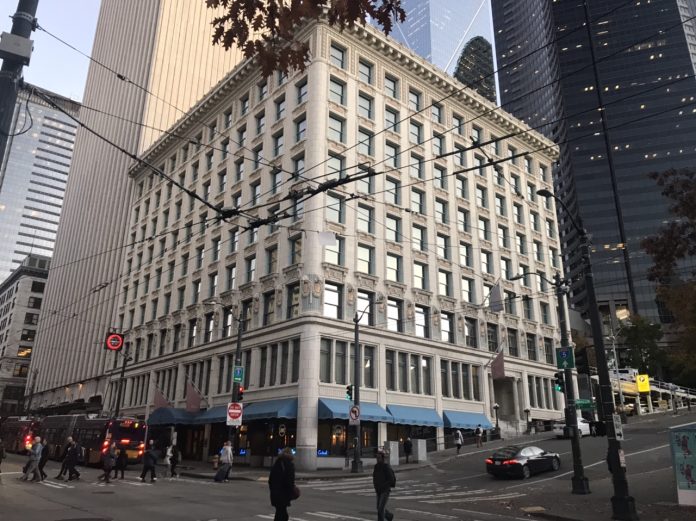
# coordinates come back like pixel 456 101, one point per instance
pixel 466 420
pixel 415 416
pixel 170 416
pixel 213 415
pixel 333 408
pixel 281 408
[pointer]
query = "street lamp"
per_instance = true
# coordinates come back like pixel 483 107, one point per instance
pixel 529 427
pixel 580 484
pixel 495 409
pixel 623 505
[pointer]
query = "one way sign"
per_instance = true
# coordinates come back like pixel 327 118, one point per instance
pixel 565 358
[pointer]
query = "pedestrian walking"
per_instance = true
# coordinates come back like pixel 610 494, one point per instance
pixel 384 480
pixel 71 459
pixel 121 463
pixel 108 462
pixel 63 464
pixel 281 483
pixel 226 459
pixel 2 453
pixel 479 436
pixel 149 462
pixel 32 466
pixel 173 454
pixel 166 460
pixel 43 460
pixel 458 440
pixel 408 448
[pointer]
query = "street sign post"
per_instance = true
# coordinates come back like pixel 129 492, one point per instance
pixel 354 415
pixel 618 427
pixel 565 358
pixel 238 374
pixel 234 414
pixel 114 342
pixel 643 383
pixel 584 405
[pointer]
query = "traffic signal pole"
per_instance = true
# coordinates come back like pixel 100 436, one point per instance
pixel 237 362
pixel 121 381
pixel 357 462
pixel 580 484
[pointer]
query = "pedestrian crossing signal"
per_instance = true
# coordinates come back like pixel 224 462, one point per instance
pixel 349 392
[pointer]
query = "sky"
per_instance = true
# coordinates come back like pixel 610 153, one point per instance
pixel 56 67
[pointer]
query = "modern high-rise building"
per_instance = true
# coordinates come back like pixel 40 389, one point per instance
pixel 34 175
pixel 436 29
pixel 21 296
pixel 646 58
pixel 414 251
pixel 475 67
pixel 164 50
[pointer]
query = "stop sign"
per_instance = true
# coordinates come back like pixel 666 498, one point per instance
pixel 234 413
pixel 114 342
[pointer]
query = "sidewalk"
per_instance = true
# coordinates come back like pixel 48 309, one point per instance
pixel 201 470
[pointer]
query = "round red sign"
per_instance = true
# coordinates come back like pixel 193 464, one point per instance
pixel 114 341
pixel 234 411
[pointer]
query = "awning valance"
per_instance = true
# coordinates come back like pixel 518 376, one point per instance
pixel 333 408
pixel 466 420
pixel 406 415
pixel 280 408
pixel 171 416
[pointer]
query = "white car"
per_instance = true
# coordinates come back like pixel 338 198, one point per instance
pixel 583 426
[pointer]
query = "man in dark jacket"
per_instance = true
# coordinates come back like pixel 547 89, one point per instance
pixel 71 459
pixel 281 482
pixel 149 462
pixel 384 480
pixel 44 459
pixel 63 458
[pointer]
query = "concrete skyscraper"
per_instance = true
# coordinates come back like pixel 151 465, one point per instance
pixel 33 177
pixel 161 45
pixel 646 81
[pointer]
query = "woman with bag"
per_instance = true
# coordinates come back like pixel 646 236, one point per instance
pixel 281 482
pixel 108 461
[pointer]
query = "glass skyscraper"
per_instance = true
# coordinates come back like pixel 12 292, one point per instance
pixel 646 61
pixel 33 177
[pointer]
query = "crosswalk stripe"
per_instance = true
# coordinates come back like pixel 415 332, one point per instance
pixel 54 485
pixel 429 514
pixel 338 516
pixel 422 497
pixel 476 499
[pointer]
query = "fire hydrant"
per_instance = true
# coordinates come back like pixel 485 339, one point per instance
pixel 216 461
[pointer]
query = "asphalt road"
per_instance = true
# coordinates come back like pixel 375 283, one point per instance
pixel 456 489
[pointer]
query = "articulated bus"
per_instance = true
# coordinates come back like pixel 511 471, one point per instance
pixel 93 434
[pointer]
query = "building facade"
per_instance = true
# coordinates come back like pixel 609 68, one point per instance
pixel 33 176
pixel 21 297
pixel 646 84
pixel 475 67
pixel 418 247
pixel 163 47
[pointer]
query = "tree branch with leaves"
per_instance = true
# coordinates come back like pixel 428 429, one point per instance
pixel 267 29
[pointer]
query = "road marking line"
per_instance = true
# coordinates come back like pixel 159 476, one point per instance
pixel 264 516
pixel 488 514
pixel 51 485
pixel 431 514
pixel 470 477
pixel 339 516
pixel 511 495
pixel 449 494
pixel 8 473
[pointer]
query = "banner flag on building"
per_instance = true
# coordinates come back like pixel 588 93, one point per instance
pixel 495 299
pixel 160 399
pixel 193 397
pixel 498 366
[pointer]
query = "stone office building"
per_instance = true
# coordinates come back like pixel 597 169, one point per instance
pixel 418 247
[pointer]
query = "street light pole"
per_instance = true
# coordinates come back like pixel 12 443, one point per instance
pixel 623 505
pixel 237 362
pixel 121 381
pixel 357 462
pixel 580 484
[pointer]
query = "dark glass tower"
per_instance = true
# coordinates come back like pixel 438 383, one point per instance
pixel 475 67
pixel 642 74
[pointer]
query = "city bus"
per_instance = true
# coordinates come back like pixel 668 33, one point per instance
pixel 17 433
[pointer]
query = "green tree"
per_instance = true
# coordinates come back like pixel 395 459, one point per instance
pixel 675 242
pixel 641 337
pixel 267 29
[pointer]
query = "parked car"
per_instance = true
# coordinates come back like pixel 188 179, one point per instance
pixel 630 409
pixel 583 426
pixel 521 462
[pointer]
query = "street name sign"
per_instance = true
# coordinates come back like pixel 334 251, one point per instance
pixel 354 415
pixel 584 405
pixel 234 414
pixel 565 358
pixel 238 374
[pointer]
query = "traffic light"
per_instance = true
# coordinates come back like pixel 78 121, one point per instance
pixel 581 363
pixel 559 382
pixel 349 392
pixel 240 394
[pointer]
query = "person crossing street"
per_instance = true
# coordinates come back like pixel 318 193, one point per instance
pixel 71 459
pixel 149 462
pixel 32 466
pixel 384 480
pixel 63 459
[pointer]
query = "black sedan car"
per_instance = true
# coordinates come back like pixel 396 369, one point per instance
pixel 521 462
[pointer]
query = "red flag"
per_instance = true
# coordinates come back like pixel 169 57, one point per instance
pixel 160 399
pixel 498 366
pixel 193 397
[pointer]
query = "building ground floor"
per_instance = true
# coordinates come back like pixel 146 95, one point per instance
pixel 295 376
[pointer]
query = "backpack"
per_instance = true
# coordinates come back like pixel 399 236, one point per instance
pixel 478 432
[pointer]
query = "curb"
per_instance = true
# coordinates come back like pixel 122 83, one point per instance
pixel 551 517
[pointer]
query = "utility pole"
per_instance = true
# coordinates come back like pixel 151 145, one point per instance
pixel 580 484
pixel 357 462
pixel 15 51
pixel 121 381
pixel 27 408
pixel 236 386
